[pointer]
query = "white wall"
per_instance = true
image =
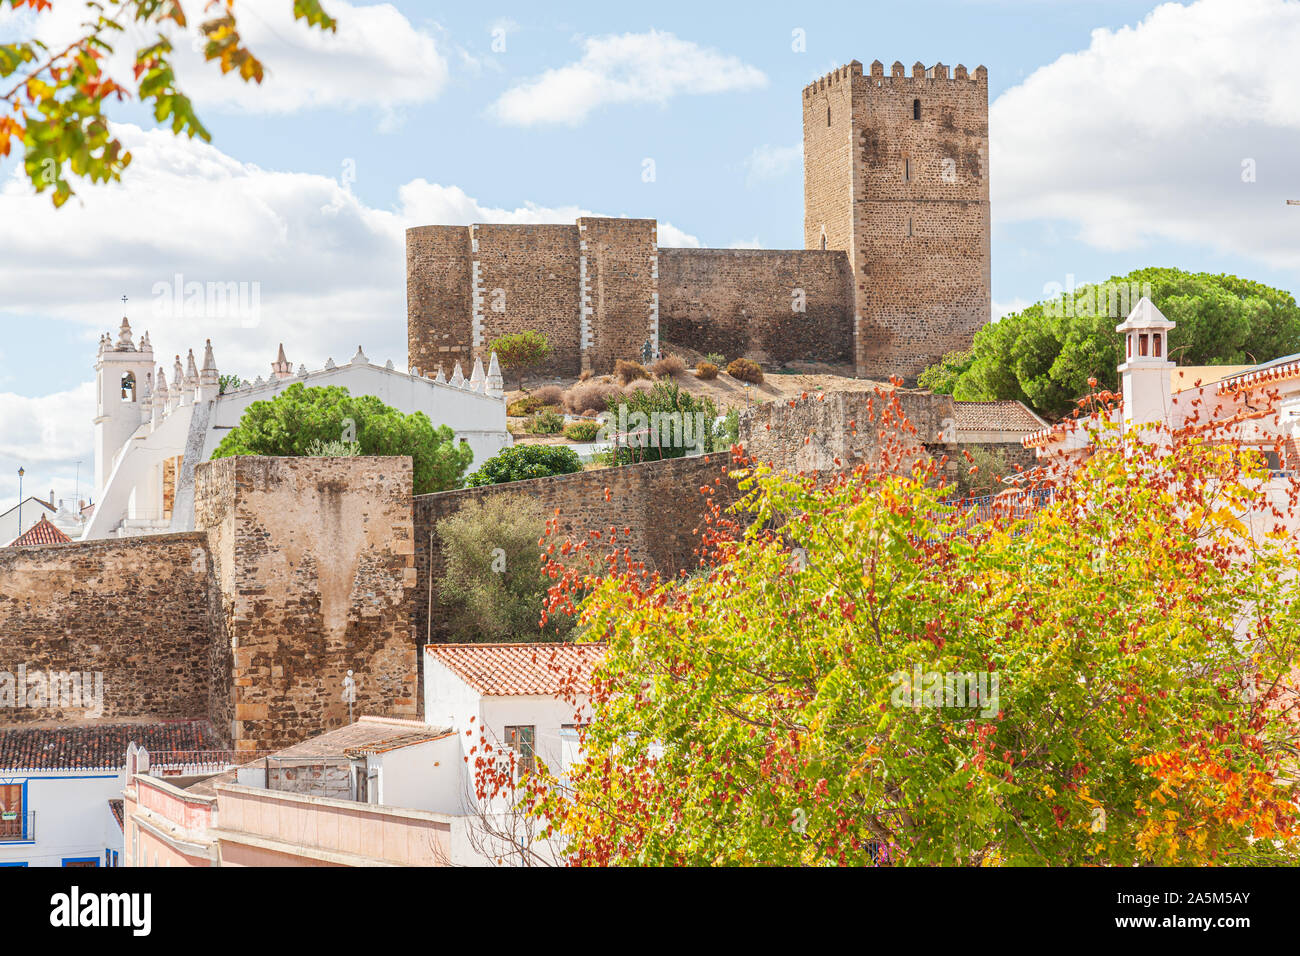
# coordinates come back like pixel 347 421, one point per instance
pixel 72 818
pixel 133 488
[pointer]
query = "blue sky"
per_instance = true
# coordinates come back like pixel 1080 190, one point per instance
pixel 1119 133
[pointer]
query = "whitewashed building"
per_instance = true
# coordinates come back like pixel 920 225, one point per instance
pixel 61 787
pixel 151 433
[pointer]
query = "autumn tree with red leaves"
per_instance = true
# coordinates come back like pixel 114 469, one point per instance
pixel 1136 608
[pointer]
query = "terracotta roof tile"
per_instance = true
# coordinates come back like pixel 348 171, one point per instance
pixel 1009 415
pixel 43 532
pixel 97 746
pixel 116 808
pixel 502 670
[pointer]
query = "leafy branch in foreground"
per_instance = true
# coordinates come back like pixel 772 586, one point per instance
pixel 52 103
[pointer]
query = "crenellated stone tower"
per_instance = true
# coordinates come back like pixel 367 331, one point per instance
pixel 896 174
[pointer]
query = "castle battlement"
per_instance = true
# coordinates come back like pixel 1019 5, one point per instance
pixel 894 272
pixel 921 76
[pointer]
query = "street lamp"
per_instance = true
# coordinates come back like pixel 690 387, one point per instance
pixel 20 501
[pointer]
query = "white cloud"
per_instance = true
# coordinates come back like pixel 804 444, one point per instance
pixel 376 59
pixel 1142 137
pixel 1002 309
pixel 328 270
pixel 753 243
pixel 648 67
pixel 767 162
pixel 46 436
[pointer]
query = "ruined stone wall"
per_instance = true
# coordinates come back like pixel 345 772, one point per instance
pixel 439 298
pixel 313 559
pixel 620 289
pixel 134 609
pixel 658 502
pixel 747 302
pixel 838 432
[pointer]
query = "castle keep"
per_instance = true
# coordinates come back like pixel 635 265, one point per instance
pixel 894 274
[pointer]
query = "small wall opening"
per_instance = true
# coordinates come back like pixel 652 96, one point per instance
pixel 128 387
pixel 916 109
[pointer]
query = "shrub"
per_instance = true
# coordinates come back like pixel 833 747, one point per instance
pixel 520 351
pixel 706 371
pixel 582 431
pixel 628 372
pixel 523 406
pixel 525 461
pixel 640 385
pixel 670 366
pixel 547 395
pixel 301 419
pixel 585 374
pixel 746 371
pixel 713 358
pixel 493 583
pixel 547 423
pixel 589 397
pixel 333 449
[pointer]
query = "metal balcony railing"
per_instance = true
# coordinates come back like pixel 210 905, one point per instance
pixel 17 827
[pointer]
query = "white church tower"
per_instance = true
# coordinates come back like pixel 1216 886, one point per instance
pixel 1146 374
pixel 123 378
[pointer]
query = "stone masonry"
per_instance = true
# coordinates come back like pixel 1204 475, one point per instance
pixel 895 273
pixel 896 174
pixel 810 434
pixel 134 610
pixel 313 563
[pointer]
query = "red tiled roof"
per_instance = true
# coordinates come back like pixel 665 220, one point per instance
pixel 502 670
pixel 97 746
pixel 116 808
pixel 43 532
pixel 1008 415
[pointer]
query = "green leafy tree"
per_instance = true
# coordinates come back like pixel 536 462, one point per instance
pixel 1045 354
pixel 941 377
pixel 860 673
pixel 525 461
pixel 303 421
pixel 494 581
pixel 520 351
pixel 52 101
pixel 228 383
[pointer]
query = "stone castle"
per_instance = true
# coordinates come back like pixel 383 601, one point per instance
pixel 894 273
pixel 276 577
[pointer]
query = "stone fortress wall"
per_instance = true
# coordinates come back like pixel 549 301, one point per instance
pixel 895 271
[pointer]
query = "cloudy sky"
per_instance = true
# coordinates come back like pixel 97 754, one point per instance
pixel 1124 134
